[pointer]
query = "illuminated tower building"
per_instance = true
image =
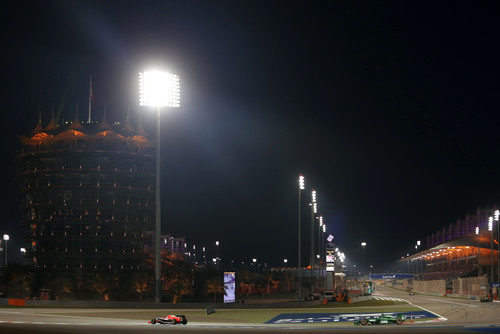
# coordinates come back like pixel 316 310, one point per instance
pixel 87 195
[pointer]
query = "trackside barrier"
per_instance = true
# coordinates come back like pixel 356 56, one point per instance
pixel 210 309
pixel 17 302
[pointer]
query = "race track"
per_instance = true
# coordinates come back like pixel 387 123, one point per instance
pixel 464 316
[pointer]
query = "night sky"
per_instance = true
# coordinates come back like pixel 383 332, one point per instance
pixel 389 109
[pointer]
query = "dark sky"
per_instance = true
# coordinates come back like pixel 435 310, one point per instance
pixel 390 110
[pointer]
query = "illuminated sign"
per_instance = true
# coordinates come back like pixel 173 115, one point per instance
pixel 229 287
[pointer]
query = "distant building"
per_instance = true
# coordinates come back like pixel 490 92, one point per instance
pixel 87 195
pixel 173 244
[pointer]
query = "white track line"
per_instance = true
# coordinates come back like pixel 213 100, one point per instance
pixel 445 301
pixel 441 318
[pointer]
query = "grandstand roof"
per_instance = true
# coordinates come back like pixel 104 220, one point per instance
pixel 479 241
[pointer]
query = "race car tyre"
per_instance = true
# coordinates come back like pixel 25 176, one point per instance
pixel 399 321
pixel 184 321
pixel 153 321
pixel 363 322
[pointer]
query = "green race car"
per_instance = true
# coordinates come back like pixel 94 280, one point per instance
pixel 398 318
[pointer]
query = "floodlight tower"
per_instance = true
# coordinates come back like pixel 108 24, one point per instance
pixel 314 210
pixel 159 90
pixel 497 218
pixel 299 262
pixel 320 248
pixel 490 228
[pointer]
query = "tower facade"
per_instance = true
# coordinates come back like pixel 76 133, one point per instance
pixel 87 196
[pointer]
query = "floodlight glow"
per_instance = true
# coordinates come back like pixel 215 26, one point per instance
pixel 497 215
pixel 6 237
pixel 194 247
pixel 159 89
pixel 490 224
pixel 203 248
pixel 320 221
pixel 418 243
pixel 363 244
pixel 214 259
pixel 416 246
pixel 301 182
pixel 317 256
pixel 217 243
pixel 285 260
pixel 315 207
pixel 313 196
pixel 254 260
pixel 477 230
pixel 324 228
pixel 23 250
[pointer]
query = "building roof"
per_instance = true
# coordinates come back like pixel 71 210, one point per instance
pixel 479 241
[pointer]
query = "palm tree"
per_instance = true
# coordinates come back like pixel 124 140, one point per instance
pixel 100 283
pixel 61 286
pixel 141 283
pixel 214 287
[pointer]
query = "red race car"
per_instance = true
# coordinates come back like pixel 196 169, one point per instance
pixel 169 319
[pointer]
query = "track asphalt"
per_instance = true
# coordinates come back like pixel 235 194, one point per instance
pixel 456 316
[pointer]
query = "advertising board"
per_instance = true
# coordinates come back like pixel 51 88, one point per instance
pixel 229 287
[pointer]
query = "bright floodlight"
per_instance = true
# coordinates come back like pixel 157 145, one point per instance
pixel 313 196
pixel 416 246
pixel 418 243
pixel 254 260
pixel 320 221
pixel 301 182
pixel 315 207
pixel 477 230
pixel 363 244
pixel 159 89
pixel 217 243
pixel 23 250
pixel 490 224
pixel 497 215
pixel 317 256
pixel 285 260
pixel 6 237
pixel 324 228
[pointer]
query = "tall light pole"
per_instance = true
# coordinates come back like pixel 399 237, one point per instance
pixel 497 218
pixel 158 89
pixel 314 210
pixel 6 238
pixel 299 262
pixel 490 228
pixel 23 254
pixel 320 249
pixel 363 245
pixel 217 246
pixel 323 240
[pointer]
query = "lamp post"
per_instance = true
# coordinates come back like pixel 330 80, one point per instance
pixel 158 89
pixel 299 262
pixel 6 238
pixel 23 254
pixel 363 245
pixel 217 247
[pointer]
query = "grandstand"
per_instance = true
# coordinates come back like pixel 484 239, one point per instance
pixel 461 250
